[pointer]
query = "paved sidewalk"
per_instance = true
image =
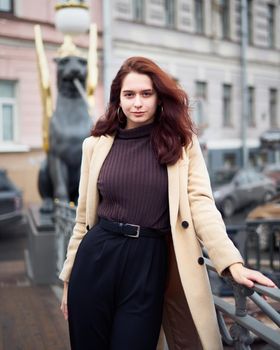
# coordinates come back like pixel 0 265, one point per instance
pixel 30 318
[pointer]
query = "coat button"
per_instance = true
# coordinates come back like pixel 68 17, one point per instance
pixel 87 227
pixel 200 260
pixel 185 224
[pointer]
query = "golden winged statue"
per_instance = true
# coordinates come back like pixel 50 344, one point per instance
pixel 68 48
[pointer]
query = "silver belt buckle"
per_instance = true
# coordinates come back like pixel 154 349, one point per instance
pixel 133 236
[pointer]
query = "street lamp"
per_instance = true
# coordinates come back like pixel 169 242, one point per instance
pixel 244 88
pixel 72 17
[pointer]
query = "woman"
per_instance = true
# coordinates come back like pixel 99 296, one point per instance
pixel 146 202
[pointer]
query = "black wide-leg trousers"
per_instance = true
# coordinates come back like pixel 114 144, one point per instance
pixel 116 291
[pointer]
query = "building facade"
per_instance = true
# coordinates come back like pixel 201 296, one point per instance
pixel 21 113
pixel 199 43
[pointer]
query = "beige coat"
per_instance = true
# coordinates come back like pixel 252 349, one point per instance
pixel 189 319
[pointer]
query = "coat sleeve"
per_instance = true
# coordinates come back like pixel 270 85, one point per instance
pixel 80 220
pixel 207 220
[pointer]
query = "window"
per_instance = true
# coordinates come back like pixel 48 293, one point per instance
pixel 271 25
pixel 201 99
pixel 250 21
pixel 170 13
pixel 225 18
pixel 251 106
pixel 273 107
pixel 138 10
pixel 7 110
pixel 227 104
pixel 229 161
pixel 199 16
pixel 6 6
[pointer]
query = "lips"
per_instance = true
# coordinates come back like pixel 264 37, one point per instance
pixel 138 113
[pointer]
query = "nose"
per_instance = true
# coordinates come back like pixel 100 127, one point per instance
pixel 137 101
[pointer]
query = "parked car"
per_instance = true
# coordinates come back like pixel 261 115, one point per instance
pixel 273 171
pixel 268 212
pixel 235 189
pixel 11 203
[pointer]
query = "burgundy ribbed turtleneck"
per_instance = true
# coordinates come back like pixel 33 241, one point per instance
pixel 133 186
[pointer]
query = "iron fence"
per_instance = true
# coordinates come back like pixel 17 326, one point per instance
pixel 64 220
pixel 262 245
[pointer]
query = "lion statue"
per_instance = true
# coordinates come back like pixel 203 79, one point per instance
pixel 69 125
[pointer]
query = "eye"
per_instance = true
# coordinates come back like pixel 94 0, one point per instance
pixel 129 94
pixel 147 93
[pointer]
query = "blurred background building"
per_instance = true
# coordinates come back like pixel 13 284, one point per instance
pixel 21 112
pixel 197 41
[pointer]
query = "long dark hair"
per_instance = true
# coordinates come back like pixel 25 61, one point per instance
pixel 173 125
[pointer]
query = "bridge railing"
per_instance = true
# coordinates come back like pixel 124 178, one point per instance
pixel 239 334
pixel 262 244
pixel 64 220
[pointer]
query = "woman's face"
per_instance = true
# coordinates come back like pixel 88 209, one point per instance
pixel 138 100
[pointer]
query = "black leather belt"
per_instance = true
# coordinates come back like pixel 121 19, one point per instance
pixel 130 230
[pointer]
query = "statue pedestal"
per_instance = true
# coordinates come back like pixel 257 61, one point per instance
pixel 41 255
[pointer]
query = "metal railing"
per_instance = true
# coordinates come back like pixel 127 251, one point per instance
pixel 64 220
pixel 239 334
pixel 263 244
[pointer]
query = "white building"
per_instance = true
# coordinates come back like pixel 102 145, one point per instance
pixel 199 43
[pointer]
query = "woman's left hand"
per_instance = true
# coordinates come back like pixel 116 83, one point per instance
pixel 247 277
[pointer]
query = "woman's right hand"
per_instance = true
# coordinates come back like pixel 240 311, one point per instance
pixel 63 306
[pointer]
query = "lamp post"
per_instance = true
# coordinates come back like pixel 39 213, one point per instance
pixel 107 48
pixel 244 89
pixel 72 18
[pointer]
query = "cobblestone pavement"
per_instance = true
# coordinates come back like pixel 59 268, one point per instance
pixel 30 318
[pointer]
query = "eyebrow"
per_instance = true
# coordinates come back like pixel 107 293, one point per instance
pixel 145 90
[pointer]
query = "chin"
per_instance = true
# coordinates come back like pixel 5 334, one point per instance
pixel 141 120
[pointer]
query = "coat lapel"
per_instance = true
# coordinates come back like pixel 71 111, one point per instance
pixel 100 152
pixel 173 192
pixel 177 175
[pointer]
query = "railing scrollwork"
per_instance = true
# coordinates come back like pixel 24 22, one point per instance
pixel 239 335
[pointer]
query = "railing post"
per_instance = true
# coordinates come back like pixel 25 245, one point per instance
pixel 240 335
pixel 269 230
pixel 273 240
pixel 252 235
pixel 64 223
